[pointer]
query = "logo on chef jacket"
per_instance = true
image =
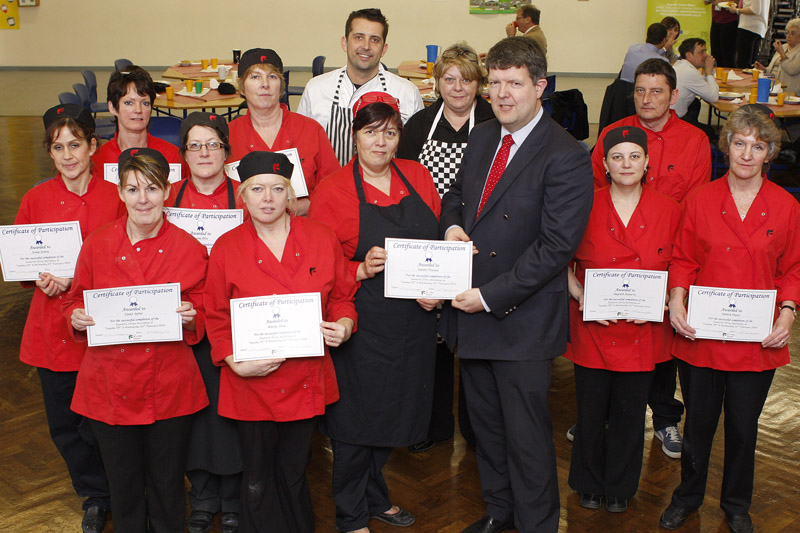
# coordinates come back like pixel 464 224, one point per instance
pixel 660 251
pixel 312 271
pixel 670 168
pixel 770 232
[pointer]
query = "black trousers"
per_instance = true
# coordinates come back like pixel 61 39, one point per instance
pixel 609 462
pixel 667 410
pixel 145 472
pixel 747 44
pixel 214 492
pixel 509 411
pixel 723 43
pixel 73 437
pixel 359 489
pixel 442 425
pixel 275 493
pixel 706 392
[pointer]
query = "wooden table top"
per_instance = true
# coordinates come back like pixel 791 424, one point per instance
pixel 210 100
pixel 177 72
pixel 412 70
pixel 743 85
pixel 785 110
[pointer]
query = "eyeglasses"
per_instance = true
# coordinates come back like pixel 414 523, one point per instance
pixel 210 146
pixel 452 53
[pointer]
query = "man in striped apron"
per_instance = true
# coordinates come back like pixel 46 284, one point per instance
pixel 329 98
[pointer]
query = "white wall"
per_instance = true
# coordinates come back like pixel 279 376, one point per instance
pixel 583 36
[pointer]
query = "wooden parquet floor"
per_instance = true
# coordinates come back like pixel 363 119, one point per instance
pixel 441 486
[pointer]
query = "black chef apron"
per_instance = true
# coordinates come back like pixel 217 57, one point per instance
pixel 214 445
pixel 385 370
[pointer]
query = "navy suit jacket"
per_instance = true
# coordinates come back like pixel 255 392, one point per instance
pixel 526 233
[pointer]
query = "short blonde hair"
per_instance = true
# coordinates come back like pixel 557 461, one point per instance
pixel 749 120
pixel 266 67
pixel 148 167
pixel 465 59
pixel 291 201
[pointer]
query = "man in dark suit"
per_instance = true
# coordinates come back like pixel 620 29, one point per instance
pixel 524 202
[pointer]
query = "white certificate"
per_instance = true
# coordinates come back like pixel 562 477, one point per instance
pixel 731 314
pixel 427 269
pixel 610 294
pixel 277 327
pixel 128 315
pixel 205 225
pixel 298 178
pixel 111 172
pixel 27 250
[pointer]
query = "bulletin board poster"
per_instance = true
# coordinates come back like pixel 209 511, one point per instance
pixel 694 16
pixel 9 15
pixel 493 7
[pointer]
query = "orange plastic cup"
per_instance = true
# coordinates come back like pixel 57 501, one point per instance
pixel 753 98
pixel 204 63
pixel 723 75
pixel 781 98
pixel 429 68
pixel 170 92
pixel 189 85
pixel 756 73
pixel 214 62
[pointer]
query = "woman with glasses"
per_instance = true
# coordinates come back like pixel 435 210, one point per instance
pixel 214 461
pixel 270 126
pixel 385 371
pixel 437 137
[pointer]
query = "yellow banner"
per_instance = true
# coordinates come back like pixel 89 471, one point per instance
pixel 9 15
pixel 694 16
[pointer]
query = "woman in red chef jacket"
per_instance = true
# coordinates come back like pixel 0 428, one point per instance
pixel 138 396
pixel 76 193
pixel 270 126
pixel 630 227
pixel 214 460
pixel 276 401
pixel 741 232
pixel 385 372
pixel 130 95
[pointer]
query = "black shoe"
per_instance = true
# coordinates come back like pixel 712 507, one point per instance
pixel 229 523
pixel 616 505
pixel 200 521
pixel 740 523
pixel 674 516
pixel 401 518
pixel 94 519
pixel 422 446
pixel 487 524
pixel 590 501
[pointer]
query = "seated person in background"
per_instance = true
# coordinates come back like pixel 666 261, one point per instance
pixel 527 22
pixel 673 32
pixel 692 84
pixel 652 48
pixel 785 64
pixel 130 98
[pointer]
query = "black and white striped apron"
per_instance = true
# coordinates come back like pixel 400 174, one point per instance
pixel 340 124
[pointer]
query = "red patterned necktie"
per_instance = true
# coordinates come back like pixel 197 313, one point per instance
pixel 498 167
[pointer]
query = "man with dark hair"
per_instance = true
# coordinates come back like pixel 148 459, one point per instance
pixel 329 98
pixel 653 47
pixel 527 22
pixel 680 161
pixel 691 83
pixel 522 196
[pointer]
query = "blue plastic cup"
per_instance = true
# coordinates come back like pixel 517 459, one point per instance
pixel 764 85
pixel 433 52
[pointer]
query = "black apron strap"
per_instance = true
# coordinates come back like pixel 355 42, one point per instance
pixel 231 197
pixel 181 190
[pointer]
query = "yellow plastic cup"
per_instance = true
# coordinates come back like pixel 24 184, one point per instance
pixel 781 98
pixel 170 92
pixel 753 98
pixel 204 63
pixel 723 75
pixel 429 68
pixel 756 73
pixel 189 85
pixel 214 62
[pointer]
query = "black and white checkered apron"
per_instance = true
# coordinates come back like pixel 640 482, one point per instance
pixel 443 159
pixel 340 124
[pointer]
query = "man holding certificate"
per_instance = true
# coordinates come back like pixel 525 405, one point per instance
pixel 739 232
pixel 631 228
pixel 76 193
pixel 138 394
pixel 276 401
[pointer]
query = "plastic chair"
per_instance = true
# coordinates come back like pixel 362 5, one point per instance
pixel 90 80
pixel 68 98
pixel 104 127
pixel 166 128
pixel 120 64
pixel 317 68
